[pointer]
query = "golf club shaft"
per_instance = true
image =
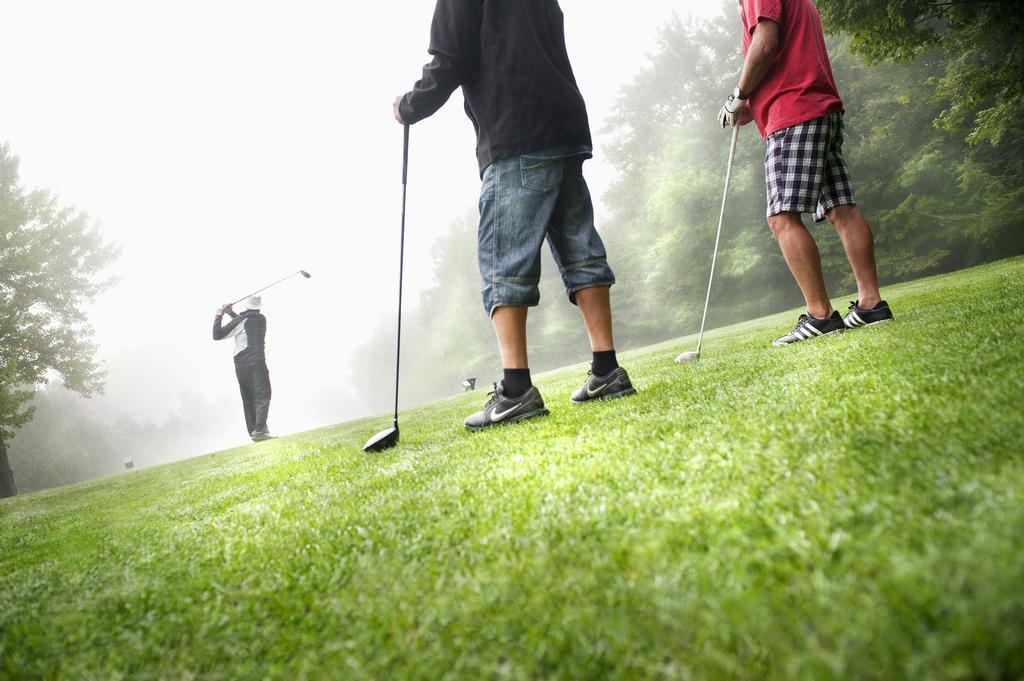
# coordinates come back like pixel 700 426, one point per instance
pixel 718 235
pixel 266 287
pixel 401 263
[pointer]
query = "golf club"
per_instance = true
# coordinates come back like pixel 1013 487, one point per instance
pixel 386 439
pixel 692 355
pixel 304 273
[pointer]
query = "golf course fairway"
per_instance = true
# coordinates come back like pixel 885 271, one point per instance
pixel 847 508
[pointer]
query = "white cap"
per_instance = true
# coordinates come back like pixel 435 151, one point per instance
pixel 253 303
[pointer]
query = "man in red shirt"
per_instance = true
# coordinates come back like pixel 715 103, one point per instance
pixel 788 90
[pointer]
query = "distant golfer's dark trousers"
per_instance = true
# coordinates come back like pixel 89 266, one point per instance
pixel 254 384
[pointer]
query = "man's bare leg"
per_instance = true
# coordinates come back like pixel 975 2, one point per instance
pixel 595 305
pixel 606 379
pixel 804 260
pixel 859 244
pixel 515 398
pixel 510 328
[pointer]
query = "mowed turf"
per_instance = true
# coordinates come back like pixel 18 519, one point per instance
pixel 848 508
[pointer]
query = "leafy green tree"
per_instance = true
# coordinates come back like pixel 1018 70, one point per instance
pixel 50 261
pixel 982 79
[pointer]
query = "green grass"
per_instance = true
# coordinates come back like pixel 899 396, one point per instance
pixel 848 508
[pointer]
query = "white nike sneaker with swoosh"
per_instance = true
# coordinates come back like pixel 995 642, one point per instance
pixel 615 384
pixel 501 409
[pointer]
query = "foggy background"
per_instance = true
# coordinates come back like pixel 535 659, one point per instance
pixel 224 145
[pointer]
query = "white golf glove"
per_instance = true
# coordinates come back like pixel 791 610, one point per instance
pixel 220 311
pixel 732 113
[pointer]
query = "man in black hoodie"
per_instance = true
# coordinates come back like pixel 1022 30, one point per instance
pixel 533 136
pixel 249 330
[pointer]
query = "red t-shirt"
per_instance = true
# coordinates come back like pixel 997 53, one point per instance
pixel 799 87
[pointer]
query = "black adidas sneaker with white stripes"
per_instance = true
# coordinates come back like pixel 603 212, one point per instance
pixel 808 327
pixel 858 316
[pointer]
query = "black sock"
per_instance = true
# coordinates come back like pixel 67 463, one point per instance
pixel 516 382
pixel 604 363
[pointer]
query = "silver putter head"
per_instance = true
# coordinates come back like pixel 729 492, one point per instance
pixel 385 439
pixel 687 357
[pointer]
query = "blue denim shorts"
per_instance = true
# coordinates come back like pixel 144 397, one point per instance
pixel 524 200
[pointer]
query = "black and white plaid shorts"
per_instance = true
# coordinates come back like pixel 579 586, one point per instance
pixel 804 168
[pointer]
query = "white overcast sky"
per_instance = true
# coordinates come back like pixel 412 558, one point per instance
pixel 225 143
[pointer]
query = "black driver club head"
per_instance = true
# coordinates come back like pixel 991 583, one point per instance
pixel 306 274
pixel 385 439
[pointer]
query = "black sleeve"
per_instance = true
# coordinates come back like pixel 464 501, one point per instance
pixel 455 46
pixel 219 331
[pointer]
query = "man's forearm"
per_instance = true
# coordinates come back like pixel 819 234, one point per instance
pixel 760 57
pixel 431 92
pixel 219 330
pixel 455 48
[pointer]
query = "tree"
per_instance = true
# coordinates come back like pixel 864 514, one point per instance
pixel 982 81
pixel 50 261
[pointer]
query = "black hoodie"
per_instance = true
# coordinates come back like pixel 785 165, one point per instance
pixel 510 59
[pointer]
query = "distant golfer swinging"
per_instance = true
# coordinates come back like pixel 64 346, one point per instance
pixel 249 329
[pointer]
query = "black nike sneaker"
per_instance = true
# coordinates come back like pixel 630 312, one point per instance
pixel 500 409
pixel 615 384
pixel 858 316
pixel 808 327
pixel 261 435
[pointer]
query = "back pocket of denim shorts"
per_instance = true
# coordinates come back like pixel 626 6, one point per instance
pixel 541 175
